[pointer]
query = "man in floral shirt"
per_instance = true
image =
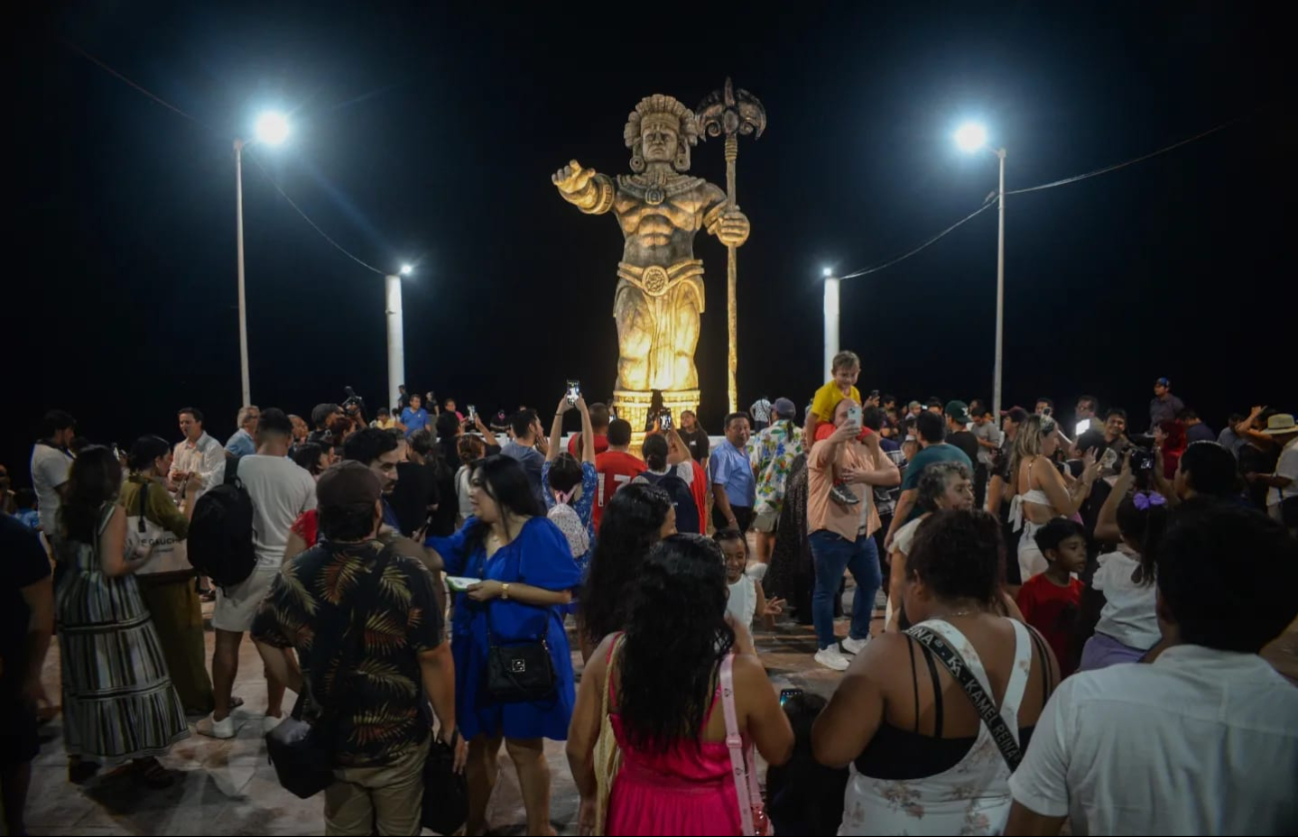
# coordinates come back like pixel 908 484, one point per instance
pixel 771 453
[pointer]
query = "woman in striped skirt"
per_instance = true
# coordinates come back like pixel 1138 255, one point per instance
pixel 118 701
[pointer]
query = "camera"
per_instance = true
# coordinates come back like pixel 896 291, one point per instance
pixel 354 402
pixel 1142 459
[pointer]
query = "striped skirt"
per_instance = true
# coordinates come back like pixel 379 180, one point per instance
pixel 118 701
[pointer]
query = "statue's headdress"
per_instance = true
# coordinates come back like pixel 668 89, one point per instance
pixel 667 109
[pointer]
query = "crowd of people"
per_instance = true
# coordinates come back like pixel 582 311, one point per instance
pixel 1073 613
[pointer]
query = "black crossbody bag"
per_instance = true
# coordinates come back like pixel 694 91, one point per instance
pixel 983 702
pixel 517 672
pixel 302 752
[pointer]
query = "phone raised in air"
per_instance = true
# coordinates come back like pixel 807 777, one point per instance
pixel 574 391
pixel 665 420
pixel 785 694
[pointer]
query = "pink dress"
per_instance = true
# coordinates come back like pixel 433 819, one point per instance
pixel 688 790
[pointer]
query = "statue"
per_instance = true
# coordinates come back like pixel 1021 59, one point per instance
pixel 659 294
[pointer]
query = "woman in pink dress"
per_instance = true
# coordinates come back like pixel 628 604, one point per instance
pixel 664 703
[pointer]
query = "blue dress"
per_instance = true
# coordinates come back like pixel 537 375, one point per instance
pixel 539 556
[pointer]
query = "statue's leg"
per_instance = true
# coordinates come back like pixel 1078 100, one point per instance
pixel 635 330
pixel 685 315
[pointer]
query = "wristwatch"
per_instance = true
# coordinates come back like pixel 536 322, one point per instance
pixel 504 591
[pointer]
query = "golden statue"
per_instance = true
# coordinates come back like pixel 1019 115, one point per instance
pixel 659 294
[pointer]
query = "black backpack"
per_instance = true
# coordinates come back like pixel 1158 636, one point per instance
pixel 687 512
pixel 220 532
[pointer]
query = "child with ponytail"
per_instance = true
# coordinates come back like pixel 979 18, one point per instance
pixel 1128 626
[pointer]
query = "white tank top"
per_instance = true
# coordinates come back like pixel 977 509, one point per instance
pixel 971 798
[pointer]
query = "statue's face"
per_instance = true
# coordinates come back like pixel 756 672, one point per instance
pixel 660 142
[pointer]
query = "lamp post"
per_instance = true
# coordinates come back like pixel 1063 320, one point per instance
pixel 972 137
pixel 396 334
pixel 831 321
pixel 271 129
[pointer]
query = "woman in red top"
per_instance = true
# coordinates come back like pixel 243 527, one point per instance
pixel 1170 438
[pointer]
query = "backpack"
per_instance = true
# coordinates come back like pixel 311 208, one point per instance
pixel 687 512
pixel 220 532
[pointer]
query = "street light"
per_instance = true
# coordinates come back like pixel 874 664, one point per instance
pixel 831 320
pixel 396 334
pixel 272 129
pixel 972 137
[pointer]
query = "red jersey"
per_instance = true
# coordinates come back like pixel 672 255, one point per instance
pixel 1052 610
pixel 615 469
pixel 601 445
pixel 307 527
pixel 700 490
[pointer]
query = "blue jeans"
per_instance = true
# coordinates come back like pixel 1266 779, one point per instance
pixel 833 554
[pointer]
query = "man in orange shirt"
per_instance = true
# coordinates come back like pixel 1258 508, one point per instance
pixel 616 467
pixel 841 536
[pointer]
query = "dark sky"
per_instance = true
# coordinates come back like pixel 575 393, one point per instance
pixel 429 134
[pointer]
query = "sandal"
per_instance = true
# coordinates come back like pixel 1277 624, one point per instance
pixel 151 774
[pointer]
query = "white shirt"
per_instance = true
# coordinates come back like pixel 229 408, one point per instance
pixel 1286 467
pixel 742 604
pixel 762 411
pixel 280 492
pixel 1199 742
pixel 1128 614
pixel 204 457
pixel 50 467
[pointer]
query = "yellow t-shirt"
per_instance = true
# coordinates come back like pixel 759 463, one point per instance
pixel 827 398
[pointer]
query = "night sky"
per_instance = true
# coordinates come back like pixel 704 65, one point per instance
pixel 430 134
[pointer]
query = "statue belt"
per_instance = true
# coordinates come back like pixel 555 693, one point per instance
pixel 656 280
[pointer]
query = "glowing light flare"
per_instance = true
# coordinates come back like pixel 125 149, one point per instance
pixel 406 270
pixel 971 136
pixel 272 128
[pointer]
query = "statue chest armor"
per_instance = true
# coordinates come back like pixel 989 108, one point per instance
pixel 646 207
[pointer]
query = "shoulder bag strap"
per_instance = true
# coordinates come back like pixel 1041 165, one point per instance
pixel 745 779
pixel 144 507
pixel 983 702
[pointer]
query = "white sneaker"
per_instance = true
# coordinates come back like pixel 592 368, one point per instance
pixel 832 658
pixel 269 723
pixel 855 646
pixel 216 729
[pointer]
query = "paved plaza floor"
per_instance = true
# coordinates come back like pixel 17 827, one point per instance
pixel 228 787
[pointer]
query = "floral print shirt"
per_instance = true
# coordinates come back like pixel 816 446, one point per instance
pixel 311 609
pixel 771 453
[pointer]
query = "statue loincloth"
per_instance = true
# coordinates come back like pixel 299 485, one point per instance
pixel 665 290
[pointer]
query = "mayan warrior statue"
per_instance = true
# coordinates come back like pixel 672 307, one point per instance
pixel 659 294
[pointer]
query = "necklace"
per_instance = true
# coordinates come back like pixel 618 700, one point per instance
pixel 965 612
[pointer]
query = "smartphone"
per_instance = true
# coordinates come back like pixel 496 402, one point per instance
pixel 1109 460
pixel 574 391
pixel 665 420
pixel 874 393
pixel 459 584
pixel 473 412
pixel 785 694
pixel 854 415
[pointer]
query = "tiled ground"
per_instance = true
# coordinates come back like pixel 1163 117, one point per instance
pixel 228 787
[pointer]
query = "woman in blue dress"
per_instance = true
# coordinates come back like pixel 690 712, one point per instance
pixel 527 576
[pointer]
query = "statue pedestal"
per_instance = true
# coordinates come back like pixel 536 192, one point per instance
pixel 633 406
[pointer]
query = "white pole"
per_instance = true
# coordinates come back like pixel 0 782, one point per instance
pixel 1000 292
pixel 243 304
pixel 831 324
pixel 396 340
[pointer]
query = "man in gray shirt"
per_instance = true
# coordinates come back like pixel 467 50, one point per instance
pixel 527 429
pixel 988 437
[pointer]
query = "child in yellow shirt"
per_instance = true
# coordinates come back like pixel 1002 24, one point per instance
pixel 846 368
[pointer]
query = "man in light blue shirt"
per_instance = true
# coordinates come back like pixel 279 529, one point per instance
pixel 734 488
pixel 241 443
pixel 414 417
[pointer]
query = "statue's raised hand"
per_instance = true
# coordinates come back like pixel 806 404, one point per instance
pixel 572 178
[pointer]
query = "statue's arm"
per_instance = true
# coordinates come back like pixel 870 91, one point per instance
pixel 590 192
pixel 722 219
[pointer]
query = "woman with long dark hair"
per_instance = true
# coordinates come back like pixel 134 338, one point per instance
pixel 636 518
pixel 118 701
pixel 522 573
pixel 675 775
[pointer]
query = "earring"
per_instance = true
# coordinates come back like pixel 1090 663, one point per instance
pixel 637 161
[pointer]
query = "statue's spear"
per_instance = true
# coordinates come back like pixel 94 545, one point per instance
pixel 724 112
